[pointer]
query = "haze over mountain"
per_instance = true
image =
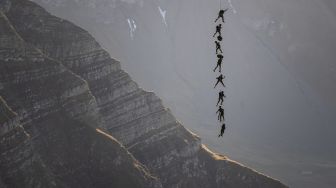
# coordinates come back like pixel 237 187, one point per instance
pixel 279 63
pixel 71 117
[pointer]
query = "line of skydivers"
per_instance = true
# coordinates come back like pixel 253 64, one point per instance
pixel 220 78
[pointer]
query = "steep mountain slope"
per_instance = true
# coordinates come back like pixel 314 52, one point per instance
pixel 280 73
pixel 60 146
pixel 86 89
pixel 20 166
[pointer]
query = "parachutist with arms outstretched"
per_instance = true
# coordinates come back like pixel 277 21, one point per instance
pixel 220 79
pixel 221 15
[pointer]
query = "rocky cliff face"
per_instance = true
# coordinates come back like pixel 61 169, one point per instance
pixel 20 166
pixel 64 86
pixel 49 135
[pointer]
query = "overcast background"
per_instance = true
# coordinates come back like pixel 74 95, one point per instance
pixel 279 63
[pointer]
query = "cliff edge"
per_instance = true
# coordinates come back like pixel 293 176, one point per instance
pixel 85 122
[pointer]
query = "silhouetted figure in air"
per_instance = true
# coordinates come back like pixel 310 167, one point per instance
pixel 220 113
pixel 221 97
pixel 218 47
pixel 221 15
pixel 218 30
pixel 220 80
pixel 222 130
pixel 219 63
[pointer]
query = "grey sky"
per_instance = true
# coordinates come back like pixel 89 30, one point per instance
pixel 279 59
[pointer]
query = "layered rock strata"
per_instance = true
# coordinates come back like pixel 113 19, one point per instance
pixel 19 165
pixel 49 124
pixel 74 86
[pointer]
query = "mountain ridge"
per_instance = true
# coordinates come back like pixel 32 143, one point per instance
pixel 105 97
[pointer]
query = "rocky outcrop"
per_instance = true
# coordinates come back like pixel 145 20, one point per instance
pixel 65 86
pixel 20 166
pixel 49 124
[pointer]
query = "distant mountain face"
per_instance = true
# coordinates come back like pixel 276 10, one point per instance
pixel 49 121
pixel 62 100
pixel 279 63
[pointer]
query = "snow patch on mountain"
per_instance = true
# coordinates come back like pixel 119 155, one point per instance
pixel 163 14
pixel 232 7
pixel 132 26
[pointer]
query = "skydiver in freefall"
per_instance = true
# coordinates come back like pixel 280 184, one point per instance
pixel 222 130
pixel 219 62
pixel 220 113
pixel 218 30
pixel 221 97
pixel 221 15
pixel 220 79
pixel 218 47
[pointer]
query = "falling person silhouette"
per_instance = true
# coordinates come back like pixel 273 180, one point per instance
pixel 220 113
pixel 221 97
pixel 221 15
pixel 218 47
pixel 218 30
pixel 219 62
pixel 220 79
pixel 222 130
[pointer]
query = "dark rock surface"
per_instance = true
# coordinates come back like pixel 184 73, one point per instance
pixel 66 90
pixel 52 140
pixel 20 166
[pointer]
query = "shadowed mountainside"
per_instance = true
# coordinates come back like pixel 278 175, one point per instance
pixel 68 95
